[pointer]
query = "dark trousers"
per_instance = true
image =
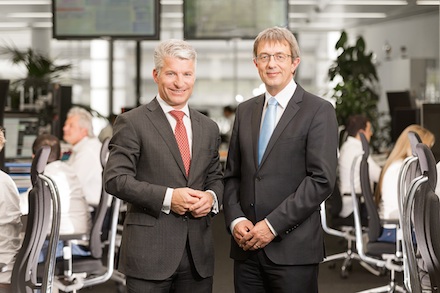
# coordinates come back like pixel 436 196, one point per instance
pixel 184 280
pixel 258 274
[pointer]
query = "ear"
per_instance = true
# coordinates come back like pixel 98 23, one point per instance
pixel 155 75
pixel 295 64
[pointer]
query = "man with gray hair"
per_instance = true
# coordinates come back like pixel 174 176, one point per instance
pixel 86 148
pixel 164 162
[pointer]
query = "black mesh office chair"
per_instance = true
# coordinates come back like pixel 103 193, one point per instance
pixel 424 204
pixel 343 228
pixel 376 252
pixel 408 172
pixel 42 198
pixel 76 272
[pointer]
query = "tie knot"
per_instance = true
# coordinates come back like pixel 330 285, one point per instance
pixel 178 115
pixel 272 102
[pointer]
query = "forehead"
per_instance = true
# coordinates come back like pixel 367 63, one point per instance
pixel 175 63
pixel 273 46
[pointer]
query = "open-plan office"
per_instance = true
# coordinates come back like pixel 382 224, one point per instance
pixel 113 72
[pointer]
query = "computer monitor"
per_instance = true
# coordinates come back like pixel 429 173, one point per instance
pixel 21 129
pixel 430 115
pixel 399 100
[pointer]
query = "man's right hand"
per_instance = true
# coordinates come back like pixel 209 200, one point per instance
pixel 240 229
pixel 182 200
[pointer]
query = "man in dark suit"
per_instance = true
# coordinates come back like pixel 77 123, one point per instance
pixel 173 185
pixel 272 195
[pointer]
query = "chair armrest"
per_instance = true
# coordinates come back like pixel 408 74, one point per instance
pixel 390 222
pixel 3 267
pixel 68 237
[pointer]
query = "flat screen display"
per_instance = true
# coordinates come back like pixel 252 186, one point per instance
pixel 89 19
pixel 226 19
pixel 21 129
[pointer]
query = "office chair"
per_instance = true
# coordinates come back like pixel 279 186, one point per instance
pixel 407 173
pixel 343 228
pixel 375 252
pixel 76 272
pixel 424 204
pixel 42 198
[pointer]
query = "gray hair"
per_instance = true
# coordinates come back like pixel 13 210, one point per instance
pixel 278 35
pixel 173 48
pixel 84 119
pixel 2 139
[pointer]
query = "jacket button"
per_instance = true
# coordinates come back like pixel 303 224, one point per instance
pixel 252 205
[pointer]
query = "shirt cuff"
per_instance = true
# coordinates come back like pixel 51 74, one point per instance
pixel 215 208
pixel 270 227
pixel 166 206
pixel 235 222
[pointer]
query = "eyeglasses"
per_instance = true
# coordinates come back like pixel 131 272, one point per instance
pixel 278 57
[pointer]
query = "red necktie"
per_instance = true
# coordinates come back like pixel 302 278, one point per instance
pixel 182 139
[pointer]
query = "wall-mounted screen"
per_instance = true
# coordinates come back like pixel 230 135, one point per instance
pixel 90 19
pixel 226 19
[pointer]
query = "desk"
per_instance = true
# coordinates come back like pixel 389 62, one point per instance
pixel 20 173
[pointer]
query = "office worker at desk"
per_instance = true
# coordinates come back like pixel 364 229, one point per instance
pixel 10 225
pixel 85 156
pixel 272 197
pixel 386 194
pixel 75 214
pixel 350 149
pixel 164 162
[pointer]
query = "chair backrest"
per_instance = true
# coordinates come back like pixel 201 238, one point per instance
pixel 42 198
pixel 374 224
pixel 99 226
pixel 427 215
pixel 408 172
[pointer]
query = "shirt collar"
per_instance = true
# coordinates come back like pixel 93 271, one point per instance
pixel 284 96
pixel 167 108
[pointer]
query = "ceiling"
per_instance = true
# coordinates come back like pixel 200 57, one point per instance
pixel 304 15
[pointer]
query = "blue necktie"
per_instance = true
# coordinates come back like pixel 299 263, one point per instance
pixel 267 127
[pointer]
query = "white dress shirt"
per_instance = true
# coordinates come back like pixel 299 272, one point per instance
pixel 389 206
pixel 166 207
pixel 350 149
pixel 10 225
pixel 75 213
pixel 86 162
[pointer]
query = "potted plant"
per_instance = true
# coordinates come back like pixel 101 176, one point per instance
pixel 356 90
pixel 41 70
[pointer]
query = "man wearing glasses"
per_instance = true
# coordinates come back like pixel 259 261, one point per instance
pixel 281 166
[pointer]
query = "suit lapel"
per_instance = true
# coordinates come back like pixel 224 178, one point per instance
pixel 256 122
pixel 290 112
pixel 197 134
pixel 161 123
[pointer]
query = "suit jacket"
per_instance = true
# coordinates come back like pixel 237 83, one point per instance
pixel 296 174
pixel 144 160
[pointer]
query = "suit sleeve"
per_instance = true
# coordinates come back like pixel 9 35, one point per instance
pixel 121 168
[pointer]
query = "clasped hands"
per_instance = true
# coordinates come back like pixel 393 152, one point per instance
pixel 198 203
pixel 250 237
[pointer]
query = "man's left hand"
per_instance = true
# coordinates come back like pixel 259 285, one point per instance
pixel 258 237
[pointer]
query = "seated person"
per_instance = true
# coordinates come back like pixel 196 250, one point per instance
pixel 350 149
pixel 10 225
pixel 85 157
pixel 75 214
pixel 386 192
